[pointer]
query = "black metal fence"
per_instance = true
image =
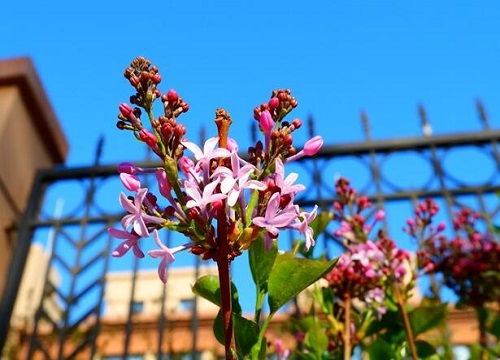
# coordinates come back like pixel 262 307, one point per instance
pixel 456 169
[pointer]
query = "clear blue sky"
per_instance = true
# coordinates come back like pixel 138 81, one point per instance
pixel 339 58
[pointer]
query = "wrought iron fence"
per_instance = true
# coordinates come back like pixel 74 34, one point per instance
pixel 388 171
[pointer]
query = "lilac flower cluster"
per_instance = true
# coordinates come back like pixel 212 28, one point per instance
pixel 214 197
pixel 469 261
pixel 369 268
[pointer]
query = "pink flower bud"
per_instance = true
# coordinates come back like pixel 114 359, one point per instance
pixel 266 122
pixel 410 222
pixel 172 96
pixel 127 168
pixel 163 184
pixel 185 164
pixel 313 145
pixel 273 103
pixel 125 109
pixel 148 138
pixel 441 226
pixel 130 182
pixel 380 215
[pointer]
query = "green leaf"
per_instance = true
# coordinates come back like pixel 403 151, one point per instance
pixel 208 288
pixel 246 333
pixel 261 262
pixel 390 322
pixel 426 318
pixel 495 327
pixel 424 349
pixel 381 350
pixel 290 276
pixel 316 340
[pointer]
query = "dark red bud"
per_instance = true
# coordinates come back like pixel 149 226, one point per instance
pixel 288 140
pixel 134 80
pixel 273 103
pixel 179 130
pixel 144 76
pixel 156 78
pixel 297 123
pixel 172 96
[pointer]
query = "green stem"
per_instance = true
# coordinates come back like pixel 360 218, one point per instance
pixel 483 340
pixel 258 306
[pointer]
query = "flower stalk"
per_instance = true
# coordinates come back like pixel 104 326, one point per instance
pixel 407 325
pixel 223 121
pixel 347 327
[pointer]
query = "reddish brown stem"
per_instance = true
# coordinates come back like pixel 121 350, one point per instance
pixel 223 121
pixel 347 328
pixel 407 324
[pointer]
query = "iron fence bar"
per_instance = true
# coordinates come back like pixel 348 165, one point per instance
pixel 129 327
pixel 102 280
pixel 417 193
pixel 89 198
pixel 374 168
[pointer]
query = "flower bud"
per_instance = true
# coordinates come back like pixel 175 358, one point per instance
pixel 172 96
pixel 266 122
pixel 156 78
pixel 297 123
pixel 273 103
pixel 130 182
pixel 125 109
pixel 127 168
pixel 313 145
pixel 380 215
pixel 148 138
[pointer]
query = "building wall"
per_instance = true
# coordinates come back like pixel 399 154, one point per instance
pixel 30 139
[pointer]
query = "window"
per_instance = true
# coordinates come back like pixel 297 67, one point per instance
pixel 137 307
pixel 186 305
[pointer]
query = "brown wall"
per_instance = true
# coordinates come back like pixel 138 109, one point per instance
pixel 30 139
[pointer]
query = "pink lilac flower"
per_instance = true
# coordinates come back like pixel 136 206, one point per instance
pixel 136 216
pixel 304 228
pixel 311 147
pixel 236 179
pixel 281 352
pixel 275 218
pixel 187 167
pixel 286 184
pixel 131 242
pixel 202 200
pixel 166 254
pixel 209 152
